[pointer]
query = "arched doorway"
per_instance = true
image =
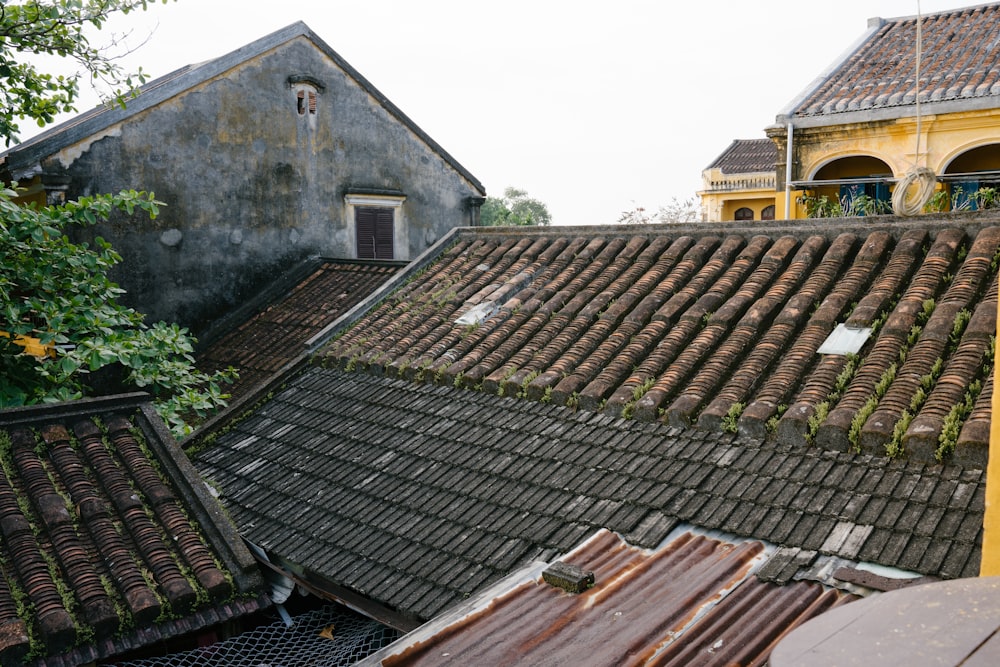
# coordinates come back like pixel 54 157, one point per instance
pixel 973 178
pixel 857 185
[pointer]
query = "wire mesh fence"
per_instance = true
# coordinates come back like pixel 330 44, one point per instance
pixel 331 636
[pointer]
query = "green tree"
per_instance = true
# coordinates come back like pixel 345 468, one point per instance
pixel 59 293
pixel 56 28
pixel 514 208
pixel 56 294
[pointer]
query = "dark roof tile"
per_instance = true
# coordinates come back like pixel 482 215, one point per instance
pixel 746 156
pixel 879 73
pixel 363 445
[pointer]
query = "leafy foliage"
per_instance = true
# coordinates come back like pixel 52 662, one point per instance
pixel 56 28
pixel 822 206
pixel 59 292
pixel 514 208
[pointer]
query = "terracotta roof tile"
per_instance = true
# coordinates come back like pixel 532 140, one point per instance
pixel 959 56
pixel 688 329
pixel 263 343
pixel 105 531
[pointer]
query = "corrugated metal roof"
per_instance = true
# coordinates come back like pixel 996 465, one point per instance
pixel 694 600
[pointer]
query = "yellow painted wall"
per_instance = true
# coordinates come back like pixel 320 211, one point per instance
pixel 836 151
pixel 721 206
pixel 990 564
pixel 756 205
pixel 723 193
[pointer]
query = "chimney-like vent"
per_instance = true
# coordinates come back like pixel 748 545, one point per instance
pixel 570 578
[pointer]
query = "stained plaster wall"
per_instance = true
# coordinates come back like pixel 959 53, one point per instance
pixel 251 187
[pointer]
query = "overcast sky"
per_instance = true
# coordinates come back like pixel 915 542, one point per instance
pixel 592 107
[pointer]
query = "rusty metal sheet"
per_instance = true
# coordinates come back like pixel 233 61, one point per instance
pixel 692 601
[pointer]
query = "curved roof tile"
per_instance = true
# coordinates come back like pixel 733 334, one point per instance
pixel 959 60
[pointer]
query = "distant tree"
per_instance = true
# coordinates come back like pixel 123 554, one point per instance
pixel 56 28
pixel 673 212
pixel 514 208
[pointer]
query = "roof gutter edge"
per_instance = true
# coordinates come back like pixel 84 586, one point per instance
pixel 784 116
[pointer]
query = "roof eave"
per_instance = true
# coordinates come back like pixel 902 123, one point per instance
pixel 882 114
pixel 874 24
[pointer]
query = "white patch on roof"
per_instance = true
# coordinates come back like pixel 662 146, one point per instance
pixel 478 313
pixel 845 340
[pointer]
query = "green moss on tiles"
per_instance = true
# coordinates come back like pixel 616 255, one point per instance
pixel 731 419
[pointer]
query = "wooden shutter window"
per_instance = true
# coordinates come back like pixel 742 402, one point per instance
pixel 374 228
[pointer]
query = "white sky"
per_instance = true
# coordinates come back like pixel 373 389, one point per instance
pixel 592 107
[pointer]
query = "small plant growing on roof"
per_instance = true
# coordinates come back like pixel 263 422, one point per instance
pixel 894 448
pixel 858 422
pixel 962 318
pixel 926 310
pixel 815 420
pixel 843 378
pixel 771 426
pixel 640 390
pixel 731 419
pixel 952 427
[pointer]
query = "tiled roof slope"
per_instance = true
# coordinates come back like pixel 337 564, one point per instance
pixel 959 61
pixel 110 540
pixel 276 335
pixel 715 328
pixel 653 593
pixel 745 156
pixel 418 495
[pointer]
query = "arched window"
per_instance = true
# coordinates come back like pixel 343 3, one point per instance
pixel 305 93
pixel 305 99
pixel 767 213
pixel 744 213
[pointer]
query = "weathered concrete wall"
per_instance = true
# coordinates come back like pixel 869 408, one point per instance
pixel 251 186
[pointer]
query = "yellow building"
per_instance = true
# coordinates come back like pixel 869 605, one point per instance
pixel 740 183
pixel 856 131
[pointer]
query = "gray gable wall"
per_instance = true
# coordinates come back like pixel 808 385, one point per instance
pixel 250 185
